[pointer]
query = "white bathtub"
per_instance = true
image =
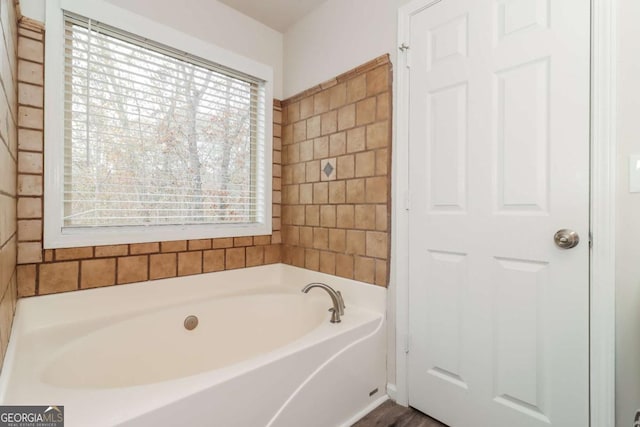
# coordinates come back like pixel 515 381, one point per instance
pixel 263 353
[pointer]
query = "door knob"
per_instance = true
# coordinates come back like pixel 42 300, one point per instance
pixel 566 239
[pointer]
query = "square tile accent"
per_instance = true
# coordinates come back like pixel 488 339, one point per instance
pixel 328 169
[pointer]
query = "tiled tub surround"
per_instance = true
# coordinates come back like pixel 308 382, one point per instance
pixel 8 165
pixel 49 271
pixel 117 348
pixel 336 151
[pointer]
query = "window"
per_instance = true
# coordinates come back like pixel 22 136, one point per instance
pixel 156 140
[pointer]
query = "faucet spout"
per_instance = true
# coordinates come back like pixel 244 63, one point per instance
pixel 336 298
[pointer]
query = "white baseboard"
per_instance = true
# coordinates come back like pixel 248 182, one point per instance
pixel 373 405
pixel 392 391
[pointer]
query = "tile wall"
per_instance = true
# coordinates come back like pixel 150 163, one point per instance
pixel 8 165
pixel 336 151
pixel 45 271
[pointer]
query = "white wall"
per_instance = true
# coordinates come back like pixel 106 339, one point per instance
pixel 208 20
pixel 628 217
pixel 336 37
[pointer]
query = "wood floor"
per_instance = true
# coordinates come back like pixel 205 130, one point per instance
pixel 389 414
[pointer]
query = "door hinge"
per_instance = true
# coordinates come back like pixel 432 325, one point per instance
pixel 407 343
pixel 590 240
pixel 404 48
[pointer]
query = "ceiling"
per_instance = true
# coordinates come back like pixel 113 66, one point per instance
pixel 277 14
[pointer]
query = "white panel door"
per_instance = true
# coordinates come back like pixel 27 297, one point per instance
pixel 499 161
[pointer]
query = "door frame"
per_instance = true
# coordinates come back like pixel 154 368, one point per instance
pixel 602 210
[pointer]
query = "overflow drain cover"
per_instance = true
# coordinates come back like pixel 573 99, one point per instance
pixel 190 322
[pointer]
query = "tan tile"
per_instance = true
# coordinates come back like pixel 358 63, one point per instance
pixel 30 72
pixel 31 50
pixel 306 194
pixel 255 256
pixel 337 192
pixel 382 218
pixel 30 34
pixel 30 162
pixel 356 191
pixel 276 170
pixel 48 255
pixel 337 144
pixel 287 135
pixel 344 216
pixel 383 110
pixel 276 237
pixel 356 242
pixel 297 215
pixel 329 122
pixel 312 215
pixel 29 185
pixel 74 253
pixel 30 117
pixel 133 269
pixel 377 189
pixel 365 217
pixel 297 257
pixel 356 139
pixel 243 241
pixel 293 112
pixel 293 195
pixel 31 95
pixel 29 207
pixel 366 164
pixel 313 127
pixel 321 102
pixel 262 240
pixel 306 107
pixel 378 135
pixel 344 266
pixel 306 237
pixel 337 240
pixel 381 273
pixel 199 244
pixel 213 260
pixel 377 245
pixel 111 250
pixel 300 173
pixel 312 259
pixel 97 272
pixel 337 96
pixel 347 117
pixel 320 238
pixel 272 254
pixel 29 229
pixel 29 252
pixel 162 266
pixel 328 216
pixel 291 235
pixel 364 269
pixel 293 153
pixel 321 147
pixel 346 166
pixel 29 139
pixel 276 183
pixel 277 143
pixel 58 277
pixel 144 248
pixel 176 246
pixel 235 258
pixel 328 262
pixel 224 242
pixel 366 111
pixel 299 131
pixel 378 80
pixel 356 88
pixel 382 162
pixel 306 150
pixel 312 173
pixel 277 130
pixel 189 263
pixel 320 192
pixel 26 280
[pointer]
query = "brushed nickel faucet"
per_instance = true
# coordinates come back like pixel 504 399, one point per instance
pixel 336 298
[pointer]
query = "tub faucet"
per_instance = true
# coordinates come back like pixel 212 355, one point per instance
pixel 336 297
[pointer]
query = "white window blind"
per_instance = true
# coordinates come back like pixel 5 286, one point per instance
pixel 154 136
